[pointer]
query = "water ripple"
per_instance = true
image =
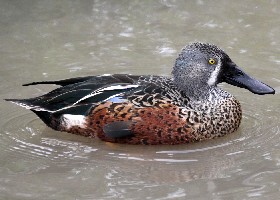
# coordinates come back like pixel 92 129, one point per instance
pixel 32 148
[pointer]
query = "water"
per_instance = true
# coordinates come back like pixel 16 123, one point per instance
pixel 51 40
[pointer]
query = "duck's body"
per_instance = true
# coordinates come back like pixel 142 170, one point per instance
pixel 151 109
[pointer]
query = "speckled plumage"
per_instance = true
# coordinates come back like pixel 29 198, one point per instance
pixel 150 109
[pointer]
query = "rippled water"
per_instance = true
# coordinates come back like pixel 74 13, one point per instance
pixel 49 40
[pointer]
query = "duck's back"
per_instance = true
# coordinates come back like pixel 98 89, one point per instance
pixel 92 90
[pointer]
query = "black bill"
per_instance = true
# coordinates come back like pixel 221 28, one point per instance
pixel 235 76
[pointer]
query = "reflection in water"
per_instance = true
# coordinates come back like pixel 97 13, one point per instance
pixel 55 40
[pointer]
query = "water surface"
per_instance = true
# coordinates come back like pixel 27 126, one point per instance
pixel 51 40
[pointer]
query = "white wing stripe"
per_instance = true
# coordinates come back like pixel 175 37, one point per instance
pixel 113 87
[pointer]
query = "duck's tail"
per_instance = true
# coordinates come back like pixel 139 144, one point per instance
pixel 49 118
pixel 25 103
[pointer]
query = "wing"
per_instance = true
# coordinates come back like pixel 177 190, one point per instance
pixel 95 80
pixel 81 92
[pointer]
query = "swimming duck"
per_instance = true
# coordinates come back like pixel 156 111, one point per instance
pixel 150 109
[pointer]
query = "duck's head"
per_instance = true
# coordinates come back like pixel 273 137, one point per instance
pixel 200 67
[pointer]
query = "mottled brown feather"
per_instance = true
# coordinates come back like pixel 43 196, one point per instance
pixel 151 125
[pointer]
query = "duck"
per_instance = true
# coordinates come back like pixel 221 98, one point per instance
pixel 186 107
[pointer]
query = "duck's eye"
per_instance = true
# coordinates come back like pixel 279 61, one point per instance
pixel 211 61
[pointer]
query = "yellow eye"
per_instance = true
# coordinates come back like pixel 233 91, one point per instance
pixel 211 61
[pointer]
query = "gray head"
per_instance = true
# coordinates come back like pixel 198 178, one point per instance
pixel 200 67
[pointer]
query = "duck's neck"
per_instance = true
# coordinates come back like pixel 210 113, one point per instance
pixel 208 100
pixel 196 92
pixel 194 86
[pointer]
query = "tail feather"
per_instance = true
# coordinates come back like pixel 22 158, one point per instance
pixel 27 104
pixel 48 118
